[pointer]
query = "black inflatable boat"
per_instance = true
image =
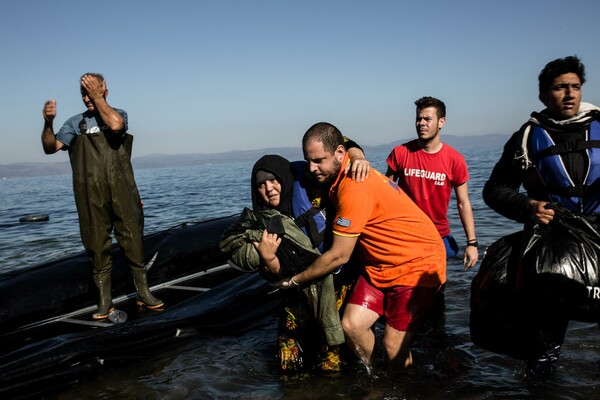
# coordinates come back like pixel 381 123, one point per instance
pixel 47 336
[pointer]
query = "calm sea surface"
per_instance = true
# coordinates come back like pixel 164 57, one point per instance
pixel 240 365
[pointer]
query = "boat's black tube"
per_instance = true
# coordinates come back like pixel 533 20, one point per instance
pixel 57 287
pixel 55 362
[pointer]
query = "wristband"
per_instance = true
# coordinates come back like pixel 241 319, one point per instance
pixel 473 243
pixel 293 282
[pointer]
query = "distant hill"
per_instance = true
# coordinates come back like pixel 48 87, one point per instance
pixel 20 170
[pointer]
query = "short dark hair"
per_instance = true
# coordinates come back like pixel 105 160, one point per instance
pixel 428 101
pixel 326 133
pixel 558 67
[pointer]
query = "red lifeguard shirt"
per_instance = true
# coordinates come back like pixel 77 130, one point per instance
pixel 428 178
pixel 398 244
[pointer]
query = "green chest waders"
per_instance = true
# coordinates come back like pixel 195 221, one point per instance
pixel 107 199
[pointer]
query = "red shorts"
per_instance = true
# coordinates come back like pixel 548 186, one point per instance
pixel 405 307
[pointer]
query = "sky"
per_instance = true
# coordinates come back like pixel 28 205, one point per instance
pixel 215 76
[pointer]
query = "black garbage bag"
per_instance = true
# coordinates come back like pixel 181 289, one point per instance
pixel 498 322
pixel 530 283
pixel 561 264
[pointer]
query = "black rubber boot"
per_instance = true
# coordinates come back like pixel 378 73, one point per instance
pixel 144 297
pixel 105 305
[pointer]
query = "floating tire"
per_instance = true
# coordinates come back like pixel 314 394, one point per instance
pixel 35 218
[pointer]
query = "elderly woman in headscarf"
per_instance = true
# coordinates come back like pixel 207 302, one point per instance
pixel 268 240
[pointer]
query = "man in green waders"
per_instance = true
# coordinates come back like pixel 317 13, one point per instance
pixel 106 194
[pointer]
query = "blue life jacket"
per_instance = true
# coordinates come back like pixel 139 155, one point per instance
pixel 582 198
pixel 310 219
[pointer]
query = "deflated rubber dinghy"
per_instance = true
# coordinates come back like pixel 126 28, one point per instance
pixel 47 337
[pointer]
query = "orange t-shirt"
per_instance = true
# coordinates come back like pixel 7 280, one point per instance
pixel 398 244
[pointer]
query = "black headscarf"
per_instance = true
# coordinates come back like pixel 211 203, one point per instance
pixel 280 167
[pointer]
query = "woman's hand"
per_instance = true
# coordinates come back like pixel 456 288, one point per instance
pixel 267 247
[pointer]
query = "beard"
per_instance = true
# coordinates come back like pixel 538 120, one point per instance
pixel 428 137
pixel 331 177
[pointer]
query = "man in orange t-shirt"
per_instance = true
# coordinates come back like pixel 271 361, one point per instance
pixel 399 247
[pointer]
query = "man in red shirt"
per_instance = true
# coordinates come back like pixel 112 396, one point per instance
pixel 399 248
pixel 427 169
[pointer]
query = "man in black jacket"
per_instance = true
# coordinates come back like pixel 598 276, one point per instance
pixel 556 157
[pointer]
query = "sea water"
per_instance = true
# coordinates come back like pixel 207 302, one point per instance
pixel 241 364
